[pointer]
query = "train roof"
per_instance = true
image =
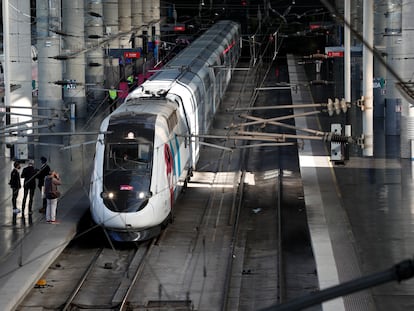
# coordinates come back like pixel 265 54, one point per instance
pixel 203 52
pixel 151 106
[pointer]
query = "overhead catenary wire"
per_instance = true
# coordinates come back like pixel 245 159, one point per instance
pixel 34 116
pixel 11 131
pixel 14 125
pixel 61 134
pixel 278 107
pixel 265 121
pixel 33 108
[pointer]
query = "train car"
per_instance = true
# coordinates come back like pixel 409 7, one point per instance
pixel 148 146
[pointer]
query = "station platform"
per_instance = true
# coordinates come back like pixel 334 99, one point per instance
pixel 360 218
pixel 359 212
pixel 31 249
pixel 28 244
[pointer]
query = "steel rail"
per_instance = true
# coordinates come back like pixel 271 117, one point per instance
pixel 139 260
pixel 75 292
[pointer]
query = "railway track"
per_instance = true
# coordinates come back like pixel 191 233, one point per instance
pixel 89 278
pixel 222 252
pixel 119 274
pixel 201 240
pixel 216 255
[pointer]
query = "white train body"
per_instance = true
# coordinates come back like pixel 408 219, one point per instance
pixel 146 154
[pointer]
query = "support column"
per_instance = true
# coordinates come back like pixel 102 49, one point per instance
pixel 347 52
pixel 74 44
pixel 50 69
pixel 380 71
pixel 111 26
pixel 94 31
pixel 156 16
pixel 407 73
pixel 18 70
pixel 111 22
pixel 137 16
pixel 125 23
pixel 393 41
pixel 368 67
pixel 146 30
pixel 156 23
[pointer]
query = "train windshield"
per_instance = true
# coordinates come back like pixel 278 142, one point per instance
pixel 127 176
pixel 128 163
pixel 129 156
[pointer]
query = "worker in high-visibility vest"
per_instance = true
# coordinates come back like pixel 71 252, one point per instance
pixel 112 98
pixel 130 80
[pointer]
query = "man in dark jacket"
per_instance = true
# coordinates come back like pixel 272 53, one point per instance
pixel 29 186
pixel 15 185
pixel 43 172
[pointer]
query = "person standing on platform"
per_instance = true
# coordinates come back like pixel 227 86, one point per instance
pixel 29 185
pixel 112 98
pixel 41 175
pixel 15 185
pixel 52 195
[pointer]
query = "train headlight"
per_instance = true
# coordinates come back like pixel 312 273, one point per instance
pixel 107 195
pixel 143 195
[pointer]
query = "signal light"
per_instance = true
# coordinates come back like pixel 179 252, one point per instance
pixel 244 2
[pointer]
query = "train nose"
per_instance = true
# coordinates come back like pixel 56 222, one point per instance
pixel 126 201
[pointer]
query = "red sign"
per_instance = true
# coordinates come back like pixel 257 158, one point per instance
pixel 179 28
pixel 335 54
pixel 126 187
pixel 314 26
pixel 132 54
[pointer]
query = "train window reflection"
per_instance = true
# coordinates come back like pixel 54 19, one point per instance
pixel 129 156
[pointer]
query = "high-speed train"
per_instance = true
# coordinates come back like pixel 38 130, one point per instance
pixel 148 146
